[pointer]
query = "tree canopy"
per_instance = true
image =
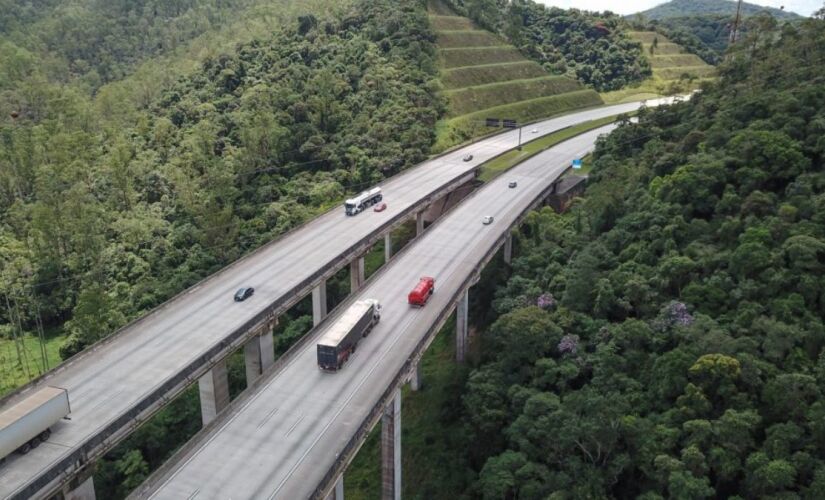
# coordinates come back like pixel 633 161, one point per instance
pixel 665 338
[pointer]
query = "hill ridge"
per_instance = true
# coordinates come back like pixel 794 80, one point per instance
pixel 681 8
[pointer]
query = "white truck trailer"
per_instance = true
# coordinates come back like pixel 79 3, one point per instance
pixel 338 343
pixel 28 423
pixel 357 204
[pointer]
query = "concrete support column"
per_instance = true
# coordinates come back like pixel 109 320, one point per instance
pixel 508 249
pixel 214 392
pixel 259 354
pixel 319 302
pixel 391 449
pixel 337 492
pixel 461 327
pixel 84 490
pixel 356 274
pixel 415 379
pixel 387 247
pixel 419 223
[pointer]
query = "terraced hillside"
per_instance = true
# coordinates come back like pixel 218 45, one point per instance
pixel 669 60
pixel 674 69
pixel 484 76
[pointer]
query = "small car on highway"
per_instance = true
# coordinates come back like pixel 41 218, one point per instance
pixel 488 219
pixel 512 184
pixel 534 131
pixel 380 207
pixel 244 293
pixel 467 157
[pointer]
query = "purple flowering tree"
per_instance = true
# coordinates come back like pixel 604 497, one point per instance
pixel 673 314
pixel 678 314
pixel 546 301
pixel 569 344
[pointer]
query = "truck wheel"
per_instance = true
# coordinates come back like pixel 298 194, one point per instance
pixel 35 442
pixel 25 448
pixel 44 436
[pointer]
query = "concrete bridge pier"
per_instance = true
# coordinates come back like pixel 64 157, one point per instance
pixel 419 223
pixel 259 354
pixel 461 327
pixel 387 247
pixel 356 274
pixel 80 490
pixel 337 492
pixel 391 449
pixel 214 392
pixel 319 302
pixel 415 379
pixel 508 249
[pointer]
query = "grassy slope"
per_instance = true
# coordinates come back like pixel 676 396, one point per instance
pixel 14 374
pixel 470 99
pixel 458 78
pixel 501 164
pixel 674 70
pixel 484 76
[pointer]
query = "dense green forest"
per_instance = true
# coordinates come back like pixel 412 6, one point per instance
pixel 99 41
pixel 703 27
pixel 684 8
pixel 100 222
pixel 706 35
pixel 666 337
pixel 589 46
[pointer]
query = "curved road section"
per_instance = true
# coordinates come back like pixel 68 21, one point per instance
pixel 294 432
pixel 123 380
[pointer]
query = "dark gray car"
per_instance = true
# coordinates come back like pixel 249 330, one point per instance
pixel 244 293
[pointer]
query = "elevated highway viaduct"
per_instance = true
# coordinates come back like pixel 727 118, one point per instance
pixel 293 435
pixel 120 382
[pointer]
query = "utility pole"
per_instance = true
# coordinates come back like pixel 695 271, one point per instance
pixel 734 33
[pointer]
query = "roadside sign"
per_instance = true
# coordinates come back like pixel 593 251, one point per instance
pixel 493 122
pixel 510 123
pixel 577 163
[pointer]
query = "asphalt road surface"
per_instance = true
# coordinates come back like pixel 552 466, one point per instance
pixel 105 384
pixel 279 441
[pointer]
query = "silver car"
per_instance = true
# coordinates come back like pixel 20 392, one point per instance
pixel 488 219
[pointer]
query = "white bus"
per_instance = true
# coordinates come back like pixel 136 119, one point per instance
pixel 357 204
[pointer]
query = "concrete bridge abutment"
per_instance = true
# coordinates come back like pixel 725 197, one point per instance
pixel 259 355
pixel 319 302
pixel 391 449
pixel 461 326
pixel 337 492
pixel 356 274
pixel 214 392
pixel 80 489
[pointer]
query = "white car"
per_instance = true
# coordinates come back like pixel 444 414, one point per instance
pixel 534 131
pixel 488 219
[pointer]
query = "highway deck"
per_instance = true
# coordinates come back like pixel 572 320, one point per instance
pixel 282 438
pixel 123 380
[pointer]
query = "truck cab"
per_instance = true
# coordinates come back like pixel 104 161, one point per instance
pixel 422 291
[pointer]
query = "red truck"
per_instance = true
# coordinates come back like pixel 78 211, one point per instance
pixel 422 291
